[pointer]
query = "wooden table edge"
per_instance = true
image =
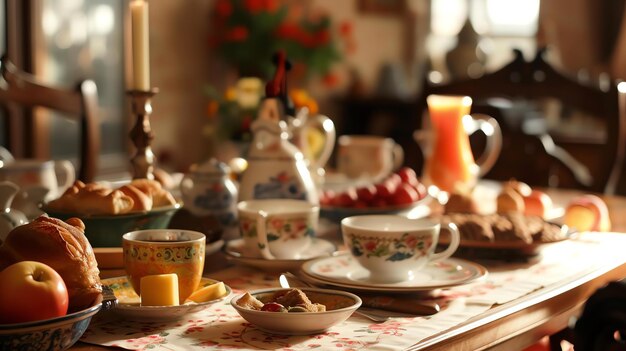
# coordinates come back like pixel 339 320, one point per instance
pixel 549 310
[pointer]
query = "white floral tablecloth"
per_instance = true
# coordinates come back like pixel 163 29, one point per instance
pixel 221 327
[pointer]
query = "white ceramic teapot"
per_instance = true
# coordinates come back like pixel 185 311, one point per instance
pixel 9 218
pixel 276 168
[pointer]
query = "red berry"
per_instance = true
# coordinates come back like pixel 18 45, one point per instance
pixel 345 199
pixel 394 179
pixel 421 189
pixel 326 198
pixel 273 307
pixel 379 202
pixel 407 174
pixel 360 204
pixel 404 195
pixel 366 193
pixel 385 189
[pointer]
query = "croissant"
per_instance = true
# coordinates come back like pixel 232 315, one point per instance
pixel 92 199
pixel 62 246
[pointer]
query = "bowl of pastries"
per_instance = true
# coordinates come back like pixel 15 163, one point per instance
pixel 49 251
pixel 109 212
pixel 293 311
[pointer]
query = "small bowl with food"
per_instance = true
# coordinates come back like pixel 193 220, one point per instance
pixel 109 212
pixel 294 311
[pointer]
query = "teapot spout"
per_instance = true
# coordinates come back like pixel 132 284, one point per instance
pixel 9 218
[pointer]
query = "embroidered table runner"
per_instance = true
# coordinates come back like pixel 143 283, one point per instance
pixel 221 327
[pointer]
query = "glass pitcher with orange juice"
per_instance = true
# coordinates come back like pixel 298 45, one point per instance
pixel 450 164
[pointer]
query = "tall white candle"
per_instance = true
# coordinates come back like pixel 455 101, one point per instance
pixel 141 50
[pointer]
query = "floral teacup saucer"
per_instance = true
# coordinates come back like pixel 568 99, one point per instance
pixel 236 251
pixel 344 271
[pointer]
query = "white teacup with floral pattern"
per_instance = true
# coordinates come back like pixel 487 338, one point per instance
pixel 392 247
pixel 277 228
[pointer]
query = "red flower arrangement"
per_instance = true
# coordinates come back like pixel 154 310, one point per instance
pixel 246 34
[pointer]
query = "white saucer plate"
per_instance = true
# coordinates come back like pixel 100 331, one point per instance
pixel 344 271
pixel 128 303
pixel 235 251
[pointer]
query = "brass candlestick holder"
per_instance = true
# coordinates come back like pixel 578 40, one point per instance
pixel 141 134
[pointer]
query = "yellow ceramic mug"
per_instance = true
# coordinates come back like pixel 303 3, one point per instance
pixel 164 251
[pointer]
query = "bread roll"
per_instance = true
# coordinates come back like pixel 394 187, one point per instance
pixel 519 187
pixel 141 200
pixel 461 203
pixel 510 200
pixel 166 180
pixel 92 199
pixel 163 198
pixel 64 247
pixel 148 186
pixel 160 196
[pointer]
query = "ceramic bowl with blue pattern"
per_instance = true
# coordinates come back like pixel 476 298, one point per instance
pixel 51 334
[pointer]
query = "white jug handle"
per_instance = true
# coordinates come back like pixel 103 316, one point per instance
pixel 326 125
pixel 261 233
pixel 65 172
pixel 490 127
pixel 455 240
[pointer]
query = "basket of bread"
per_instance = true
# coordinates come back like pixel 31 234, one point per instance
pixel 49 285
pixel 110 212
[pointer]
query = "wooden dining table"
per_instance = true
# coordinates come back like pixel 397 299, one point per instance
pixel 515 324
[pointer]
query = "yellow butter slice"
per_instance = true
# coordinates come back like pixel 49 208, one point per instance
pixel 159 290
pixel 208 293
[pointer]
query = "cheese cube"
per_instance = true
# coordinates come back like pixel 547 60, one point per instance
pixel 208 293
pixel 159 290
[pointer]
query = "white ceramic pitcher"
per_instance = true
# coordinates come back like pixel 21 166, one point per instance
pixel 56 176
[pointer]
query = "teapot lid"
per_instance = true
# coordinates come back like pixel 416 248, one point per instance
pixel 211 167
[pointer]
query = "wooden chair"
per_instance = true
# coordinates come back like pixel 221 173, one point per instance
pixel 530 151
pixel 81 104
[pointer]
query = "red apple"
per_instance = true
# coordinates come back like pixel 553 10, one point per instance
pixel 537 203
pixel 588 212
pixel 31 291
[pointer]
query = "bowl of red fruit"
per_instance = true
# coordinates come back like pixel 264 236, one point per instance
pixel 399 193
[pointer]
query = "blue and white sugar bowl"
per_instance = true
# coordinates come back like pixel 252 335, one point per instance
pixel 208 190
